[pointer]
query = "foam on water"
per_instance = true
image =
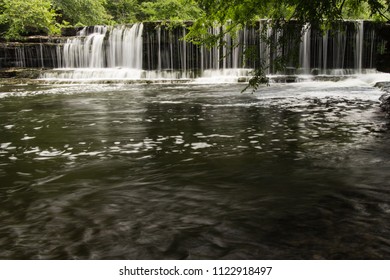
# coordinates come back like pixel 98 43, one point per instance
pixel 92 74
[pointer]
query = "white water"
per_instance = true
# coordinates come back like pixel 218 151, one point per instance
pixel 125 47
pixel 89 50
pixel 93 74
pixel 359 46
pixel 305 50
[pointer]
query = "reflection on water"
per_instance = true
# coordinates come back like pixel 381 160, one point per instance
pixel 194 171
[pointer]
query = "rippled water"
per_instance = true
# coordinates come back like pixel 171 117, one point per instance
pixel 194 171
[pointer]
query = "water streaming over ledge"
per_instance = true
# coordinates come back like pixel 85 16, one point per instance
pixel 158 52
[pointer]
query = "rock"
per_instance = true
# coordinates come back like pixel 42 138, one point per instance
pixel 285 79
pixel 385 98
pixel 315 71
pixel 385 103
pixel 21 73
pixel 383 85
pixel 291 71
pixel 70 31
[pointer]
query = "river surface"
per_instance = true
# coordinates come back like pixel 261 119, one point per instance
pixel 195 171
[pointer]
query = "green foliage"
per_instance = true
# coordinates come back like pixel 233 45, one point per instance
pixel 19 17
pixel 258 77
pixel 123 11
pixel 358 9
pixel 320 14
pixel 22 17
pixel 83 12
pixel 27 16
pixel 127 11
pixel 169 10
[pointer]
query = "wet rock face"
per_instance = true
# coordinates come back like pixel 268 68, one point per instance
pixel 385 103
pixel 20 73
pixel 385 98
pixel 70 31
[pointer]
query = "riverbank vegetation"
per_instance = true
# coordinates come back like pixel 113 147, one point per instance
pixel 23 17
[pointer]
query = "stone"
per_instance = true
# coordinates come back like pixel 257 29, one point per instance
pixel 385 103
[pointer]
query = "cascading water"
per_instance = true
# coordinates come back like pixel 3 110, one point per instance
pixel 264 48
pixel 133 52
pixel 86 51
pixel 338 48
pixel 305 50
pixel 359 46
pixel 95 52
pixel 21 58
pixel 29 55
pixel 325 50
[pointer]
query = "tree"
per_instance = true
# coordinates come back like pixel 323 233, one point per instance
pixel 169 10
pixel 123 11
pixel 27 16
pixel 82 12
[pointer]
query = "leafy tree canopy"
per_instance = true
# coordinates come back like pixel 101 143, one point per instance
pixel 169 10
pixel 123 11
pixel 27 16
pixel 82 12
pixel 23 16
pixel 316 12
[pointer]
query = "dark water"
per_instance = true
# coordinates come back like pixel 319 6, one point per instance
pixel 194 172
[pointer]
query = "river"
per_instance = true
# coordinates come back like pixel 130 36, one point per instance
pixel 194 171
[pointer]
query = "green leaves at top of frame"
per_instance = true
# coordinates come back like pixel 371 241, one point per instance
pixel 28 16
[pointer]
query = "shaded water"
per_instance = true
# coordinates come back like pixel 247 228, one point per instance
pixel 194 171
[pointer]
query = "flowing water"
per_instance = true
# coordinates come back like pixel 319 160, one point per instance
pixel 149 51
pixel 194 171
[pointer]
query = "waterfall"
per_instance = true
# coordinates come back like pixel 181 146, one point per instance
pixel 304 57
pixel 159 48
pixel 359 46
pixel 339 45
pixel 86 51
pixel 125 47
pixel 371 51
pixel 215 53
pixel 184 54
pixel 91 49
pixel 41 55
pixel 264 49
pixel 337 52
pixel 325 40
pixel 150 51
pixel 29 55
pixel 20 57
